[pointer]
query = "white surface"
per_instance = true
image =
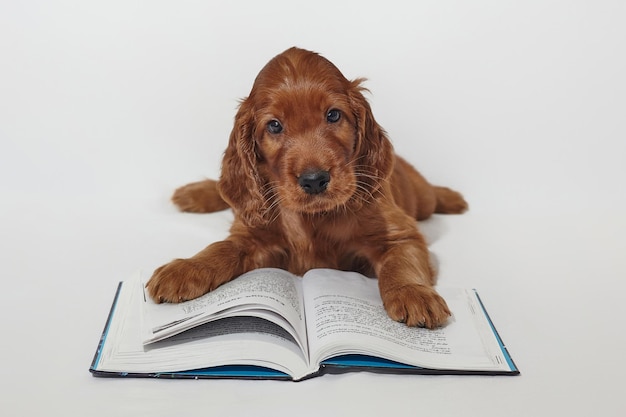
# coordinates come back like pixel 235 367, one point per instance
pixel 106 107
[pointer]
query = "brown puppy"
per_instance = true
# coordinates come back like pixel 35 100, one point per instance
pixel 313 182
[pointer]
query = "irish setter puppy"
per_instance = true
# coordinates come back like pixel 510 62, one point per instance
pixel 313 182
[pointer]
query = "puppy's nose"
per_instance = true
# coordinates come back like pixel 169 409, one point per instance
pixel 314 182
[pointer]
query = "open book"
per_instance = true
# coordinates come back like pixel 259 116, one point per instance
pixel 269 323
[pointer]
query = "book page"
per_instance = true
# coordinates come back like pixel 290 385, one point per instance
pixel 235 340
pixel 272 294
pixel 345 315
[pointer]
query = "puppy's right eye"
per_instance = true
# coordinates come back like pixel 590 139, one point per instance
pixel 274 127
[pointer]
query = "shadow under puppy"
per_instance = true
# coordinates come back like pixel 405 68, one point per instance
pixel 314 183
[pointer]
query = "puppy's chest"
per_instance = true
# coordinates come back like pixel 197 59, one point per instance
pixel 316 243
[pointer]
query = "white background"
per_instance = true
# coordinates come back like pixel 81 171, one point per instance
pixel 106 107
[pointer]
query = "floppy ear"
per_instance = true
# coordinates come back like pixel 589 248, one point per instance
pixel 374 150
pixel 240 184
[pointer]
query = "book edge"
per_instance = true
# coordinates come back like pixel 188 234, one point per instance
pixel 98 354
pixel 514 370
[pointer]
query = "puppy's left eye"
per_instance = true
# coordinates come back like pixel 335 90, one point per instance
pixel 274 126
pixel 333 116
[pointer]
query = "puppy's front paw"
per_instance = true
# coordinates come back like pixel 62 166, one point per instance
pixel 416 305
pixel 180 280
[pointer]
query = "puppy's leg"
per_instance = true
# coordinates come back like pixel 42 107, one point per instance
pixel 405 281
pixel 449 201
pixel 199 197
pixel 418 197
pixel 186 279
pixel 218 263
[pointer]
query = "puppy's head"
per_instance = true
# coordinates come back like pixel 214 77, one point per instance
pixel 304 140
